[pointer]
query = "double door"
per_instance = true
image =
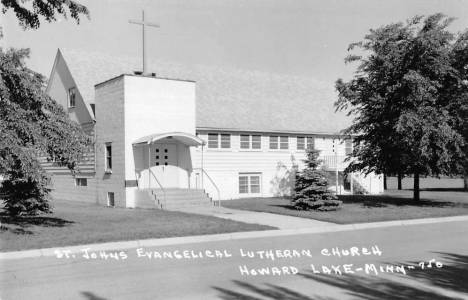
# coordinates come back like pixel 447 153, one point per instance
pixel 164 165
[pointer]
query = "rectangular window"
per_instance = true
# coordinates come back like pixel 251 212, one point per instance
pixel 81 181
pixel 212 140
pixel 349 146
pixel 273 142
pixel 245 141
pixel 302 140
pixel 110 199
pixel 249 184
pixel 284 142
pixel 222 141
pixel 71 97
pixel 243 184
pixel 225 141
pixel 250 141
pixel 108 156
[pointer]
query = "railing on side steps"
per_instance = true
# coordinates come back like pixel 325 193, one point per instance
pixel 149 185
pixel 214 184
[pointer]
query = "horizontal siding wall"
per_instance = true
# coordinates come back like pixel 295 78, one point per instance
pixel 277 167
pixel 86 168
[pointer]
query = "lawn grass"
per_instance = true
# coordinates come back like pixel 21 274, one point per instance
pixel 393 205
pixel 78 223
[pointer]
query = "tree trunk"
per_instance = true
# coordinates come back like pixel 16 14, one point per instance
pixel 385 182
pixel 416 187
pixel 465 181
pixel 399 181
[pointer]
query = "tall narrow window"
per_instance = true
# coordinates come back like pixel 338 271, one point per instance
pixel 108 156
pixel 349 146
pixel 71 97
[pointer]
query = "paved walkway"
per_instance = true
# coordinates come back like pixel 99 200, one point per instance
pixel 274 220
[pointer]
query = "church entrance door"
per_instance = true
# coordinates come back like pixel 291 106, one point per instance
pixel 164 165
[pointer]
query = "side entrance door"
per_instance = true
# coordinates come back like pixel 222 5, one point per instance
pixel 164 165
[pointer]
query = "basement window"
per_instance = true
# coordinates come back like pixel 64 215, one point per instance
pixel 81 181
pixel 110 199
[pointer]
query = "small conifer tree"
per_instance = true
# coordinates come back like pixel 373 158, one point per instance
pixel 311 187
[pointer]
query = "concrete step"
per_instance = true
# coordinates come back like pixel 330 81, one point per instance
pixel 181 197
pixel 172 206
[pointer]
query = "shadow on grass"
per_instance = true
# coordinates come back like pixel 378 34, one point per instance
pixel 91 296
pixel 384 200
pixel 443 190
pixel 434 284
pixel 28 221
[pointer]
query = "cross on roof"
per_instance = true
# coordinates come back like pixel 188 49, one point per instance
pixel 144 37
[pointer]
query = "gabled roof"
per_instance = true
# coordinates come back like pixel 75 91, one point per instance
pixel 226 98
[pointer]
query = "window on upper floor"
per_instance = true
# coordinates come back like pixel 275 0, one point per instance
pixel 108 156
pixel 222 141
pixel 71 97
pixel 279 142
pixel 250 141
pixel 301 142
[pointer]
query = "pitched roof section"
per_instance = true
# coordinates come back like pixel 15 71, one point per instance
pixel 226 98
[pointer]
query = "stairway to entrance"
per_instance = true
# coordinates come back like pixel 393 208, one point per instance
pixel 172 199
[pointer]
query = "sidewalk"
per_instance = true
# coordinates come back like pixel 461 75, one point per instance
pixel 287 225
pixel 274 220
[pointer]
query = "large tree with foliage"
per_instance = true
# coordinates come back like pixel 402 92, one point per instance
pixel 409 99
pixel 311 186
pixel 29 11
pixel 32 125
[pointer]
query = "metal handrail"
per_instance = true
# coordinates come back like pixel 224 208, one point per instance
pixel 219 194
pixel 165 200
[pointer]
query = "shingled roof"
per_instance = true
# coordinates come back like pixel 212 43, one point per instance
pixel 226 98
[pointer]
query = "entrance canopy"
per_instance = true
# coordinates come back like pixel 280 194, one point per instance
pixel 185 138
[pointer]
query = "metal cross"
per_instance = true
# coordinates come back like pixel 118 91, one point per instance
pixel 144 37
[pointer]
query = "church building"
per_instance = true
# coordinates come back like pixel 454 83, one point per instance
pixel 189 134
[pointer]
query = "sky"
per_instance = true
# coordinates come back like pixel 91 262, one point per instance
pixel 296 37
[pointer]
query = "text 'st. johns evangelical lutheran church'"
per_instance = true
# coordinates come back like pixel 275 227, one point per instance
pixel 186 134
